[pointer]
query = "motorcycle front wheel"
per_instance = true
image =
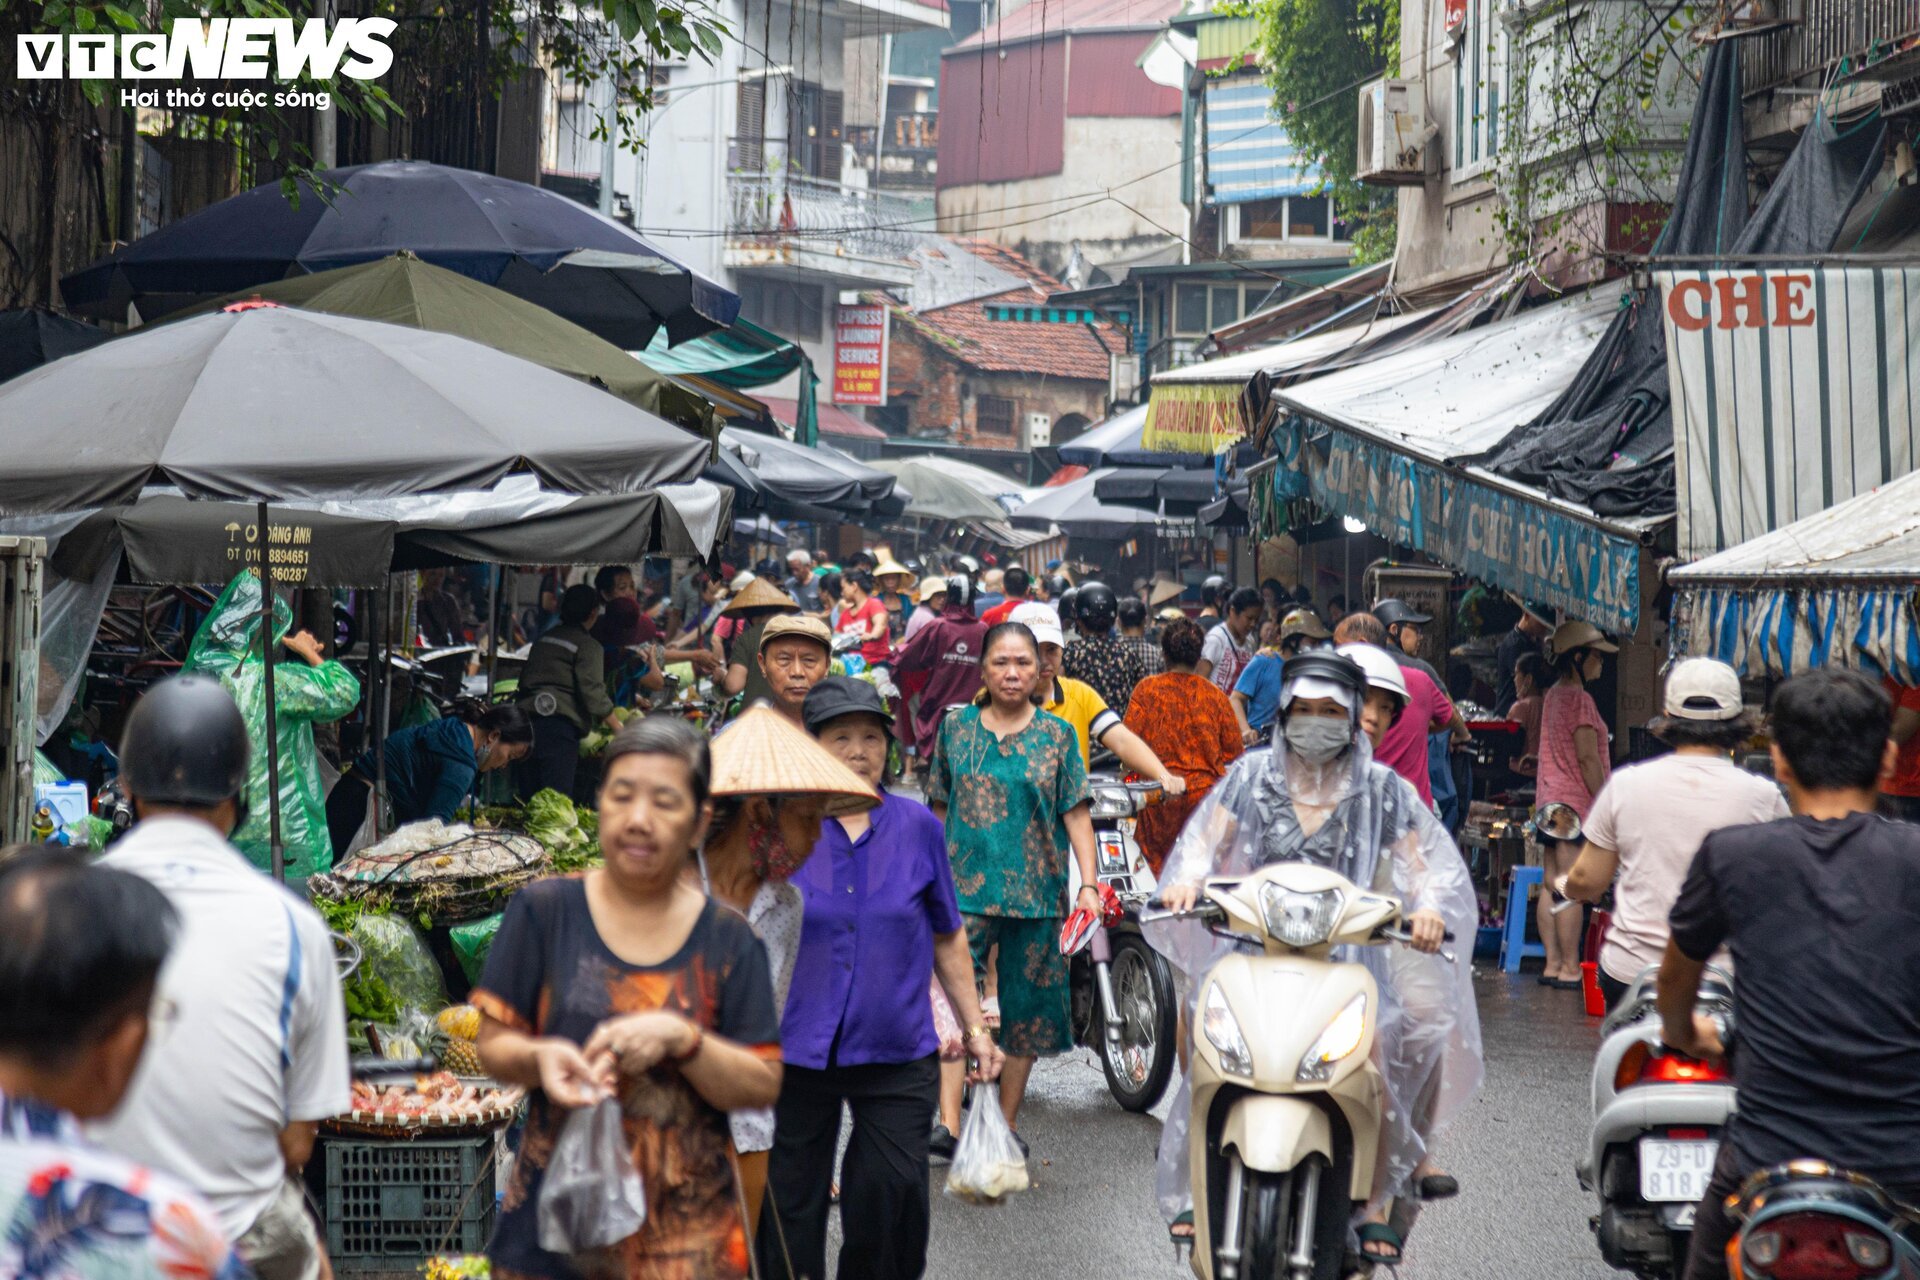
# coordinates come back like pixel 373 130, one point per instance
pixel 1140 1064
pixel 1271 1211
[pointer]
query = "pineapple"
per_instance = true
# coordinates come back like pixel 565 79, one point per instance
pixel 462 1057
pixel 461 1021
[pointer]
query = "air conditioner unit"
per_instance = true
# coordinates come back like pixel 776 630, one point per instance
pixel 1393 134
pixel 1037 432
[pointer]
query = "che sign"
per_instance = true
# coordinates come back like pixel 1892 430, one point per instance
pixel 860 355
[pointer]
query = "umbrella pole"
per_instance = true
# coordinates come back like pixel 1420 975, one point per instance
pixel 278 851
pixel 385 678
pixel 374 621
pixel 493 625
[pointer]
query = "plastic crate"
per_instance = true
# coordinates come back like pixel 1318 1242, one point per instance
pixel 391 1205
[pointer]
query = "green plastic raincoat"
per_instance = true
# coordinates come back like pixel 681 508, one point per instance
pixel 228 646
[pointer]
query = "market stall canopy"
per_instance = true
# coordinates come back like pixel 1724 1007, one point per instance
pixel 938 494
pixel 1078 512
pixel 743 356
pixel 1175 490
pixel 1395 434
pixel 30 337
pixel 534 243
pixel 402 289
pixel 269 403
pixel 1118 442
pixel 1834 588
pixel 819 477
pixel 167 538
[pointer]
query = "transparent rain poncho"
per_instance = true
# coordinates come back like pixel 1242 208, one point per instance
pixel 1367 823
pixel 228 646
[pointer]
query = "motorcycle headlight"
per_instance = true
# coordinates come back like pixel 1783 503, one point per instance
pixel 1111 802
pixel 1339 1040
pixel 1300 919
pixel 1223 1032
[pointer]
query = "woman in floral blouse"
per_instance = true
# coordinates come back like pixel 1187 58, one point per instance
pixel 1009 783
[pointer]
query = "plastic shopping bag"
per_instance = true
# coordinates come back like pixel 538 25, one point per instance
pixel 987 1164
pixel 592 1197
pixel 953 1046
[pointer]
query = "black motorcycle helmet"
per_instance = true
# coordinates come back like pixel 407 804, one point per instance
pixel 1097 607
pixel 1057 585
pixel 185 744
pixel 1067 605
pixel 1325 664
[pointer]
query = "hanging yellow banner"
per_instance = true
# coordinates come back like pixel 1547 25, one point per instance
pixel 1193 417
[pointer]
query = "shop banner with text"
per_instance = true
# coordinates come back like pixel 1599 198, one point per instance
pixel 1793 389
pixel 1498 537
pixel 860 355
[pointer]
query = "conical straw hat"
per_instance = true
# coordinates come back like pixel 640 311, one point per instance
pixel 764 753
pixel 760 594
pixel 890 568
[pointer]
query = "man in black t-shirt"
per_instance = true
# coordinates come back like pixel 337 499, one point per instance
pixel 1819 912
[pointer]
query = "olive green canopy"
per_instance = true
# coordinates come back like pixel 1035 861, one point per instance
pixel 403 290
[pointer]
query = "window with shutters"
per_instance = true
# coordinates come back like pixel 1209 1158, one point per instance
pixel 750 127
pixel 993 416
pixel 816 131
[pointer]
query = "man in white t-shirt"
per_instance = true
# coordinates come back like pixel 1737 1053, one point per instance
pixel 1648 821
pixel 229 1101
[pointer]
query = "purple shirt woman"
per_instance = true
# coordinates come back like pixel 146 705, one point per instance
pixel 880 919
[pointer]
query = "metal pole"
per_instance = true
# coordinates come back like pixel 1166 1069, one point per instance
pixel 385 678
pixel 493 625
pixel 276 850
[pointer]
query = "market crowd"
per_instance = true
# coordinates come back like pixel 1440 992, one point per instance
pixel 846 900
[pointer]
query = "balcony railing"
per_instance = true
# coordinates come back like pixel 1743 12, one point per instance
pixel 1825 32
pixel 1172 353
pixel 789 206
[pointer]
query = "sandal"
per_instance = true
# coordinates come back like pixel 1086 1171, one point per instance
pixel 1379 1233
pixel 1438 1186
pixel 1567 984
pixel 1182 1219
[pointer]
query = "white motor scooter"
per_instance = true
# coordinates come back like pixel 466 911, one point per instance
pixel 1286 1100
pixel 1657 1119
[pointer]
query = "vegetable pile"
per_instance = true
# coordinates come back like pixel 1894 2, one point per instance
pixel 570 834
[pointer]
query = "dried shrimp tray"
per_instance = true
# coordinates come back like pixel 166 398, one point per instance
pixel 437 1106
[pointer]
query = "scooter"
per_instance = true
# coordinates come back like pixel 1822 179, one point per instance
pixel 1122 993
pixel 1657 1118
pixel 1286 1099
pixel 1810 1219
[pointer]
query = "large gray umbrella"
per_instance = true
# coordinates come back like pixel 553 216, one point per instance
pixel 1079 513
pixel 267 404
pixel 938 494
pixel 270 403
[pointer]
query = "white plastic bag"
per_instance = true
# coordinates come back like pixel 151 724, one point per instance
pixel 987 1164
pixel 592 1196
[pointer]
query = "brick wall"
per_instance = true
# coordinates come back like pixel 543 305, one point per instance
pixel 943 394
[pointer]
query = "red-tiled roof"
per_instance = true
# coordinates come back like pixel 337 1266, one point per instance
pixel 1044 18
pixel 834 421
pixel 1052 348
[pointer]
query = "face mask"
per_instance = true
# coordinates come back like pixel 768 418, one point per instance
pixel 1318 739
pixel 772 857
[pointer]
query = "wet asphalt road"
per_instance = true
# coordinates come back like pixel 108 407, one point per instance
pixel 1520 1213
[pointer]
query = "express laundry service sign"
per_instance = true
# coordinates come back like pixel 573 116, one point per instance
pixel 860 355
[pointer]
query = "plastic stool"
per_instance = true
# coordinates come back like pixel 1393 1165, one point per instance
pixel 1514 946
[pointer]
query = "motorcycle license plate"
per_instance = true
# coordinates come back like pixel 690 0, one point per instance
pixel 1112 848
pixel 1673 1170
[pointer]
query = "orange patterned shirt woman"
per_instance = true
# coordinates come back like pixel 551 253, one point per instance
pixel 1190 725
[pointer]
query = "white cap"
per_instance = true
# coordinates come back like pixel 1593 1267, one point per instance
pixel 740 580
pixel 1038 617
pixel 1703 689
pixel 1315 687
pixel 1382 671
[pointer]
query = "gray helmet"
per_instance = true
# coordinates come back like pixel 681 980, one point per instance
pixel 185 744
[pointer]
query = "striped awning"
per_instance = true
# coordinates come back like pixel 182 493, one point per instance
pixel 1249 155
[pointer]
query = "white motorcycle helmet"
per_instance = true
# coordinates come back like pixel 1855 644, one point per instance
pixel 1382 673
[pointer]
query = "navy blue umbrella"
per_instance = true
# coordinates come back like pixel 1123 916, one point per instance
pixel 533 243
pixel 30 338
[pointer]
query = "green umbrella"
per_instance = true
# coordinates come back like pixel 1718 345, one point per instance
pixel 403 290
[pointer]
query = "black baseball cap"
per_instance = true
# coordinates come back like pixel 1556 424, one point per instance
pixel 838 696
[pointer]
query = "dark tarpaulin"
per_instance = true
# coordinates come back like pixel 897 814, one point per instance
pixel 1607 442
pixel 30 337
pixel 1184 490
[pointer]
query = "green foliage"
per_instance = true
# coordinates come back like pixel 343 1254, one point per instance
pixel 1316 54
